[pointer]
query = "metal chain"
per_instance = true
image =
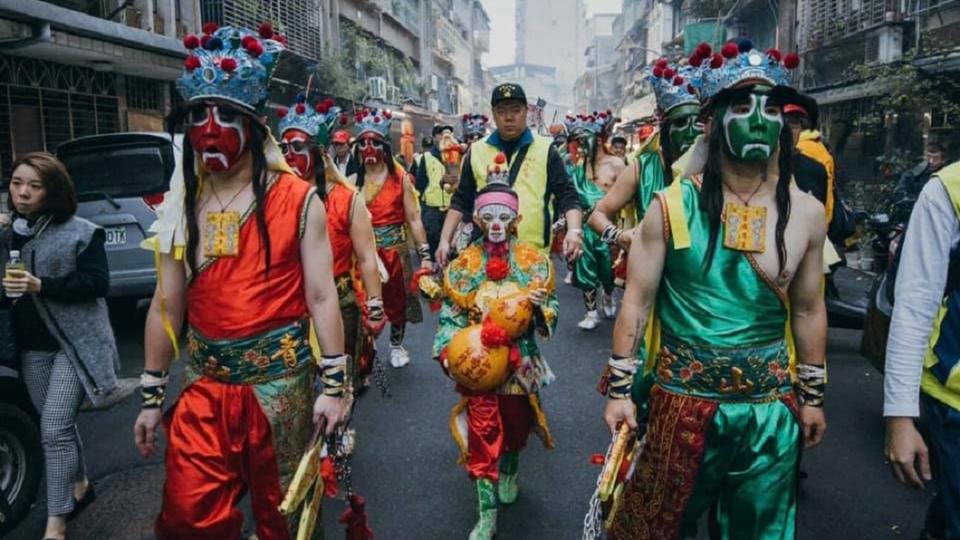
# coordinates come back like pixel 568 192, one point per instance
pixel 380 376
pixel 339 450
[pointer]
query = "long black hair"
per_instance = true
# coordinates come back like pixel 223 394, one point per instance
pixel 387 157
pixel 258 136
pixel 711 191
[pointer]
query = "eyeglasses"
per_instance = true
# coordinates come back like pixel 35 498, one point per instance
pixel 297 147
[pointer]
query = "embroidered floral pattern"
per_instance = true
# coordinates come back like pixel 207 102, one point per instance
pixel 751 373
pixel 273 355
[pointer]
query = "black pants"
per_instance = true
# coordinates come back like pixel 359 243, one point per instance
pixel 432 218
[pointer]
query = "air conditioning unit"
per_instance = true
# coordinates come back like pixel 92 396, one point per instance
pixel 377 88
pixel 433 105
pixel 434 83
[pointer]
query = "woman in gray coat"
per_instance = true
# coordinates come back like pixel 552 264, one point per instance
pixel 60 318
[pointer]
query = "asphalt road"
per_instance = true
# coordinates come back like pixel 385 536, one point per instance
pixel 405 463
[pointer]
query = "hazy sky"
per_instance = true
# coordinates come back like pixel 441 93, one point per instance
pixel 502 38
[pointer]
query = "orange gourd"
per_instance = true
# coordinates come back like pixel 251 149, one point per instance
pixel 474 365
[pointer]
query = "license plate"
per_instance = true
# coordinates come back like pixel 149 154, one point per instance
pixel 116 236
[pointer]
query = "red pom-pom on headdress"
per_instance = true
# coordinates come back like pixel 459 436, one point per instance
pixel 205 39
pixel 191 41
pixel 228 64
pixel 500 159
pixel 255 49
pixel 678 80
pixel 669 73
pixel 662 63
pixel 716 61
pixel 387 114
pixel 691 89
pixel 704 50
pixel 696 60
pixel 343 120
pixel 775 54
pixel 658 72
pixel 791 61
pixel 265 31
pixel 301 108
pixel 730 50
pixel 210 27
pixel 191 63
pixel 282 112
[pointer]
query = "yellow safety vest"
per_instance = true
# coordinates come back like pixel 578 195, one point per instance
pixel 947 391
pixel 530 185
pixel 434 195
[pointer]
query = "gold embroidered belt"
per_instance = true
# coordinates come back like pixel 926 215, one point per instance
pixel 275 354
pixel 753 373
pixel 390 235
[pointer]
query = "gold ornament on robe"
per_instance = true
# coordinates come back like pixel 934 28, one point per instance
pixel 744 227
pixel 221 236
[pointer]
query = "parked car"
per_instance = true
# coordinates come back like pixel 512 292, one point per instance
pixel 120 179
pixel 21 453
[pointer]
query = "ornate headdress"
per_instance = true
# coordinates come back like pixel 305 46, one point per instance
pixel 674 85
pixel 317 121
pixel 596 123
pixel 233 64
pixel 474 124
pixel 739 64
pixel 376 121
pixel 499 171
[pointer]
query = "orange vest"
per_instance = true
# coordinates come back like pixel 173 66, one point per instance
pixel 233 297
pixel 387 207
pixel 338 204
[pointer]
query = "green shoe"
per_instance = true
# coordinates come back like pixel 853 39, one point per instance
pixel 507 489
pixel 486 527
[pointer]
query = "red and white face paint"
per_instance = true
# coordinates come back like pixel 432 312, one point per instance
pixel 297 150
pixel 219 136
pixel 371 149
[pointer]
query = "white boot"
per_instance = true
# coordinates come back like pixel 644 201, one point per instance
pixel 609 304
pixel 590 321
pixel 399 356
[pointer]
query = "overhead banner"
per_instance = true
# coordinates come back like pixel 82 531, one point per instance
pixel 711 31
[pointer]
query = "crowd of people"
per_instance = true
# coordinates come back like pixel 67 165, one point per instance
pixel 280 261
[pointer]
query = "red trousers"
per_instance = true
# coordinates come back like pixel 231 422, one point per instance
pixel 496 423
pixel 219 446
pixel 395 289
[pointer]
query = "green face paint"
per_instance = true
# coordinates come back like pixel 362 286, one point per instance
pixel 751 127
pixel 683 131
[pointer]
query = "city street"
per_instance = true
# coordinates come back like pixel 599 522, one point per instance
pixel 405 463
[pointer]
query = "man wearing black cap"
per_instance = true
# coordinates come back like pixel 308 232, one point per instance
pixel 431 176
pixel 537 174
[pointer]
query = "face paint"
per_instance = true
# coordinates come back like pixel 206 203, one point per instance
pixel 298 152
pixel 683 131
pixel 371 150
pixel 751 128
pixel 219 136
pixel 496 221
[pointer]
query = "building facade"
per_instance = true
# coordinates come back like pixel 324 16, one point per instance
pixel 72 68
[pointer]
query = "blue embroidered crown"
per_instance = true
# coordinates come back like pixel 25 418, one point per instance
pixel 317 121
pixel 739 64
pixel 375 121
pixel 674 86
pixel 229 63
pixel 474 124
pixel 596 123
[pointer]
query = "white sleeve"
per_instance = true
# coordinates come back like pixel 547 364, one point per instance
pixel 933 231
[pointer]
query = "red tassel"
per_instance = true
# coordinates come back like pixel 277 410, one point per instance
pixel 354 520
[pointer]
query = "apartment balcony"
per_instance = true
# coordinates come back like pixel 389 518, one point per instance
pixel 57 33
pixel 825 22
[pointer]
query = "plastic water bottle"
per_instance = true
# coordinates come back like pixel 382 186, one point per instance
pixel 14 263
